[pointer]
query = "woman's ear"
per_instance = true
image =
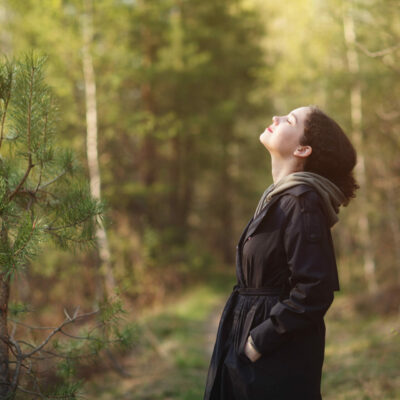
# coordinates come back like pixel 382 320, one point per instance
pixel 302 151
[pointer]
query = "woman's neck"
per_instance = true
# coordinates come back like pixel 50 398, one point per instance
pixel 282 167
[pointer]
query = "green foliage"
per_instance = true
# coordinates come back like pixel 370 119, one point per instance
pixel 3 194
pixel 16 309
pixel 70 217
pixel 68 390
pixel 84 347
pixel 127 335
pixel 30 111
pixel 194 82
pixel 175 82
pixel 111 310
pixel 6 81
pixel 42 194
pixel 66 368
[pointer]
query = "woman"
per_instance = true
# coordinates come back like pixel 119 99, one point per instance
pixel 271 337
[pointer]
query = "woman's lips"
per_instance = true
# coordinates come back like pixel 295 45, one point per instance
pixel 269 128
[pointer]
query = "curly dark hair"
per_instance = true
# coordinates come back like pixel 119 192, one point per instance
pixel 333 156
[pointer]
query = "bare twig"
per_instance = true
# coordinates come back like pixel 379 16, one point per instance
pixel 80 337
pixel 388 116
pixel 19 358
pixel 68 321
pixel 379 53
pixel 30 326
pixel 67 315
pixel 30 392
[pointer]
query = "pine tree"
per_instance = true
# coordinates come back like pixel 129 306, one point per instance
pixel 44 196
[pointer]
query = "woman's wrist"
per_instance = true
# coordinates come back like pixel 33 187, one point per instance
pixel 251 341
pixel 253 353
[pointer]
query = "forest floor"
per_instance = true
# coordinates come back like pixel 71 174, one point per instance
pixel 361 356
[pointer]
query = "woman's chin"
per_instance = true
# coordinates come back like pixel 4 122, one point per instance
pixel 263 139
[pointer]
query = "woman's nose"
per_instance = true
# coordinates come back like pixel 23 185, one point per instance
pixel 275 119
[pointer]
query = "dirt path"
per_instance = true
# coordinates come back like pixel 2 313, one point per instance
pixel 178 373
pixel 211 327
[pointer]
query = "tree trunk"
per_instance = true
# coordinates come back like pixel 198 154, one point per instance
pixel 5 381
pixel 176 177
pixel 5 34
pixel 148 153
pixel 106 273
pixel 4 359
pixel 226 196
pixel 394 225
pixel 356 120
pixel 182 149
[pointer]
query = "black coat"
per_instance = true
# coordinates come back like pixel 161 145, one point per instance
pixel 286 277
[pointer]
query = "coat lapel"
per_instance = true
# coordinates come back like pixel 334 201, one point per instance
pixel 244 231
pixel 253 223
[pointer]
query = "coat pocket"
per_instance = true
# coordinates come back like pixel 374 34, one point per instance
pixel 244 333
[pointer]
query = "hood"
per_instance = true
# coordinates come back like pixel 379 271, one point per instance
pixel 331 195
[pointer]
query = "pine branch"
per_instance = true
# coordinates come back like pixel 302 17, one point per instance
pixel 81 242
pixel 64 227
pixel 29 133
pixel 27 240
pixel 15 191
pixel 52 181
pixel 26 119
pixel 46 119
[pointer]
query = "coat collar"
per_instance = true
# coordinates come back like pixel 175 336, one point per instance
pixel 254 223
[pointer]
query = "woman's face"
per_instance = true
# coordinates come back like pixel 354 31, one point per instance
pixel 282 137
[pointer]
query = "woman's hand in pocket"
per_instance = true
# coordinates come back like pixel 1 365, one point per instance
pixel 251 353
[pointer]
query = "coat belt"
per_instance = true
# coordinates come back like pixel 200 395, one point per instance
pixel 262 291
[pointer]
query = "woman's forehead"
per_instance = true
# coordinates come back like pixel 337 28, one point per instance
pixel 300 112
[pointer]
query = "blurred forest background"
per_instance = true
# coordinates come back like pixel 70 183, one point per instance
pixel 176 94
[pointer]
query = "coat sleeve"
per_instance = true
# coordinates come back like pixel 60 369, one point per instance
pixel 311 260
